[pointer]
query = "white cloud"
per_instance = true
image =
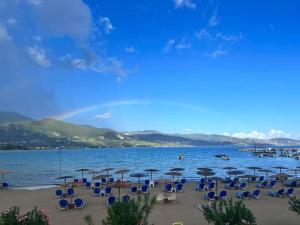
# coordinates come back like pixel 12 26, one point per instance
pixel 230 37
pixel 169 45
pixel 273 133
pixel 4 35
pixel 217 53
pixel 214 19
pixel 37 38
pixel 79 63
pixel 203 34
pixel 38 55
pixel 106 24
pixel 184 3
pixel 183 46
pixel 104 116
pixel 132 50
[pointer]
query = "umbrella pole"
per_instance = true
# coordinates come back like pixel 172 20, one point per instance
pixel 65 185
pixel 122 176
pixel 151 175
pixel 119 192
pixel 81 175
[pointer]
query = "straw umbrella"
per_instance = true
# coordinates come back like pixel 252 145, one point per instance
pixel 151 171
pixel 229 168
pixel 206 173
pixel 121 184
pixel 204 168
pixel 173 174
pixel 65 178
pixel 93 172
pixel 281 176
pixel 280 168
pixel 267 171
pixel 139 176
pixel 107 170
pixel 254 168
pixel 82 171
pixel 122 172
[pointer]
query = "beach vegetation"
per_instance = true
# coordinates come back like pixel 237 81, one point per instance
pixel 228 212
pixel 295 205
pixel 132 212
pixel 34 217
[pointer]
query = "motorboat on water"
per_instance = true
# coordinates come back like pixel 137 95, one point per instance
pixel 222 156
pixel 181 157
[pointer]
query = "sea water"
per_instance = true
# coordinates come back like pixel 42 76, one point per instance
pixel 38 168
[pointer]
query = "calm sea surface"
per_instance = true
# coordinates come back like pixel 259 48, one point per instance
pixel 34 168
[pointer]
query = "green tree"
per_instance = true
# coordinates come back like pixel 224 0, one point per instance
pixel 133 212
pixel 295 205
pixel 229 213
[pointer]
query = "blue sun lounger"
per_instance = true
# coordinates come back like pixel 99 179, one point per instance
pixel 79 203
pixel 63 204
pixel 111 200
pixel 279 193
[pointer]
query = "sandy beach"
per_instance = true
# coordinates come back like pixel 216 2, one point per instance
pixel 267 210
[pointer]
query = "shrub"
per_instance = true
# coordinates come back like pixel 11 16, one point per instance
pixel 133 212
pixel 229 212
pixel 34 217
pixel 295 205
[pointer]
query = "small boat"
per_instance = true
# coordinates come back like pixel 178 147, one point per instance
pixel 225 157
pixel 181 157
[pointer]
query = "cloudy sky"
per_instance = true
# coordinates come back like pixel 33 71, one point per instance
pixel 208 66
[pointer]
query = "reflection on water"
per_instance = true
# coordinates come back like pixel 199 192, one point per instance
pixel 42 167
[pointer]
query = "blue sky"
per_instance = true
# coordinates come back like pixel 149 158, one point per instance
pixel 193 66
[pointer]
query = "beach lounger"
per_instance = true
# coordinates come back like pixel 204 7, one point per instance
pixel 201 187
pixel 133 190
pixel 183 181
pixel 231 186
pixel 262 185
pixel 169 187
pixel 290 192
pixel 5 185
pixel 111 200
pixel 279 193
pixel 211 186
pixel 147 182
pixel 242 186
pixel 79 203
pixel 253 179
pixel 97 191
pixel 125 198
pixel 179 187
pixel 144 189
pixel 156 183
pixel 97 184
pixel 76 181
pixel 71 192
pixel 272 184
pixel 63 204
pixel 261 179
pixel 88 185
pixel 111 180
pixel 84 180
pixel 292 184
pixel 223 194
pixel 59 194
pixel 172 198
pixel 256 194
pixel 108 191
pixel 103 180
pixel 211 196
pixel 203 180
pixel 243 195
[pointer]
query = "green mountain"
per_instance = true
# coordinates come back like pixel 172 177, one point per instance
pixel 21 132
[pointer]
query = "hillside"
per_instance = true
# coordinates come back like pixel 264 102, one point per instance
pixel 21 132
